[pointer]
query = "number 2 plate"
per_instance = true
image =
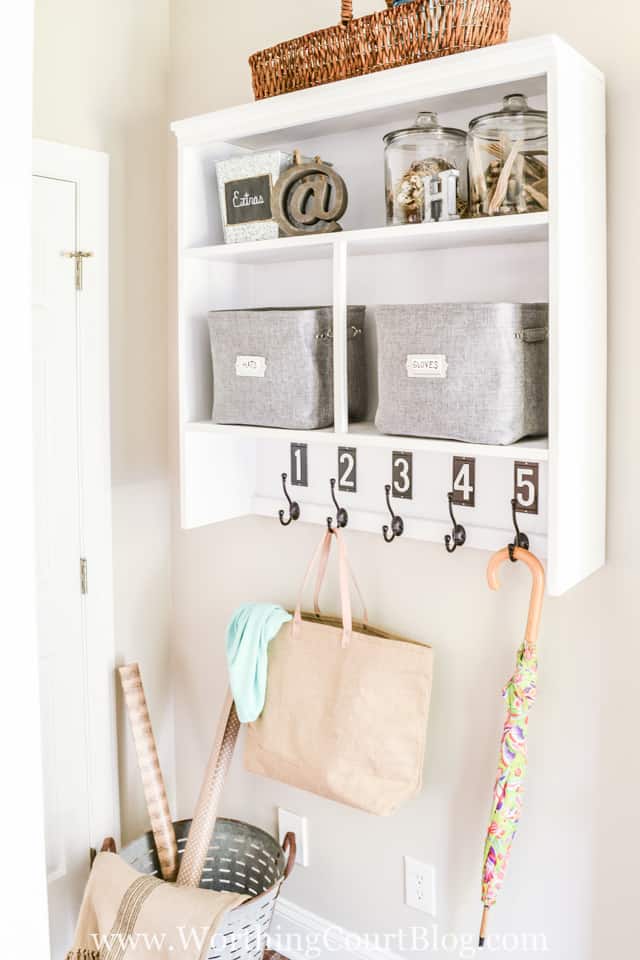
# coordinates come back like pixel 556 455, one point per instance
pixel 347 470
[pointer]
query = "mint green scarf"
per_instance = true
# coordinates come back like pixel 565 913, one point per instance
pixel 249 634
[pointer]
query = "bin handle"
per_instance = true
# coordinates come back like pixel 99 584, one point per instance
pixel 289 847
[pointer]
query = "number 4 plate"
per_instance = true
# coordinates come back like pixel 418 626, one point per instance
pixel 464 481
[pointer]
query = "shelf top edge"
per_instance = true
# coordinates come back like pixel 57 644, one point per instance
pixel 353 238
pixel 532 448
pixel 448 74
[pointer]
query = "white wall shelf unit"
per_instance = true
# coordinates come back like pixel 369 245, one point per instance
pixel 558 257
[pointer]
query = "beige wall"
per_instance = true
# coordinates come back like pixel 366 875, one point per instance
pixel 101 82
pixel 574 870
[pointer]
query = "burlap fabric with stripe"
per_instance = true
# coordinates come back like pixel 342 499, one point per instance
pixel 125 916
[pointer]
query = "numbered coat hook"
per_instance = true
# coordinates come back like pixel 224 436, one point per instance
pixel 294 508
pixel 342 517
pixel 458 536
pixel 521 539
pixel 397 523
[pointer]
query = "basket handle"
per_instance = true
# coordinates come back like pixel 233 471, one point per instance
pixel 347 11
pixel 289 847
pixel 346 15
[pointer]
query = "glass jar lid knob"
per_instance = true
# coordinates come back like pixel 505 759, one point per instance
pixel 515 103
pixel 427 120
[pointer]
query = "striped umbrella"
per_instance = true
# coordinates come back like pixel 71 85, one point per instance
pixel 520 695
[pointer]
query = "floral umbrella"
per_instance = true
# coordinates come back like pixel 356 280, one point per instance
pixel 520 694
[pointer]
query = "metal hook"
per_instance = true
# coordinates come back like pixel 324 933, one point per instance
pixel 397 523
pixel 521 539
pixel 294 508
pixel 342 517
pixel 458 536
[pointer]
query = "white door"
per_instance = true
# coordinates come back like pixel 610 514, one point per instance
pixel 76 730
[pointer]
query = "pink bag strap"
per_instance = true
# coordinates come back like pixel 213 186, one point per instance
pixel 342 545
pixel 322 570
pixel 321 557
pixel 345 593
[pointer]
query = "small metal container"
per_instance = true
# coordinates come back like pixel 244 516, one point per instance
pixel 425 172
pixel 274 367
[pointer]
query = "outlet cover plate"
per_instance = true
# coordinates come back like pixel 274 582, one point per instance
pixel 420 886
pixel 293 823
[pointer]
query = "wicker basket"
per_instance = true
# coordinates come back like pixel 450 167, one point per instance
pixel 408 33
pixel 243 859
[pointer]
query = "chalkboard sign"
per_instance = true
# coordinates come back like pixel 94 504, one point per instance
pixel 248 200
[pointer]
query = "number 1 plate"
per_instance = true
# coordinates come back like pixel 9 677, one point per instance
pixel 299 465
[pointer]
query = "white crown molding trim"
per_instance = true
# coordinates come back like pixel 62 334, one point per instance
pixel 300 934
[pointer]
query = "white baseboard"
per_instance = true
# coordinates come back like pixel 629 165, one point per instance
pixel 301 935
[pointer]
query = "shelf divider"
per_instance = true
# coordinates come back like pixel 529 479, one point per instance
pixel 340 368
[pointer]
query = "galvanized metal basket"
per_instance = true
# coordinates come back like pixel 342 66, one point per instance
pixel 241 858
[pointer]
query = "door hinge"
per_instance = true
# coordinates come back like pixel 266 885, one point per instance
pixel 78 256
pixel 84 586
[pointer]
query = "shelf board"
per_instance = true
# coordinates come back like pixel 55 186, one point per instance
pixel 485 231
pixel 445 84
pixel 268 251
pixel 489 231
pixel 326 435
pixel 366 434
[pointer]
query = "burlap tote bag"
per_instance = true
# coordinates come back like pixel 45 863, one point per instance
pixel 347 705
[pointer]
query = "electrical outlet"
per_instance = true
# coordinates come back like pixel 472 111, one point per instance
pixel 420 886
pixel 292 823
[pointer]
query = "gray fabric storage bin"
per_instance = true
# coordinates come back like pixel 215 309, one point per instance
pixel 476 372
pixel 274 367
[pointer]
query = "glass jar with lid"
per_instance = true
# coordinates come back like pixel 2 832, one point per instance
pixel 508 160
pixel 415 159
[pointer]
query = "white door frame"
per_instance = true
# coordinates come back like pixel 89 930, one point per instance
pixel 25 925
pixel 89 171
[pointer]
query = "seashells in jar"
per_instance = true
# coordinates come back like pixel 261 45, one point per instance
pixel 415 160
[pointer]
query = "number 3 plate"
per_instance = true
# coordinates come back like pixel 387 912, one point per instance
pixel 402 475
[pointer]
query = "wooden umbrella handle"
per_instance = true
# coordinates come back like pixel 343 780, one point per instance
pixel 537 587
